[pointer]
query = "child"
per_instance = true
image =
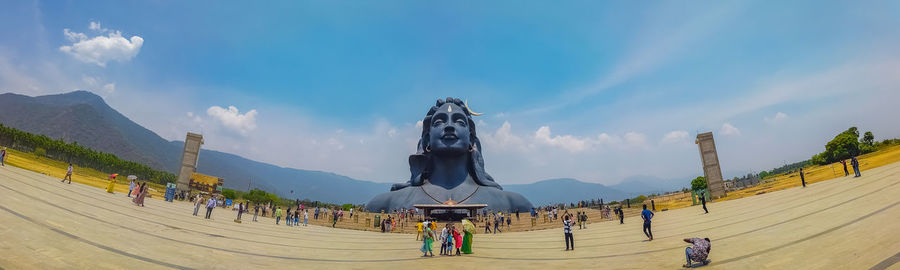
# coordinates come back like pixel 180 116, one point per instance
pixel 449 241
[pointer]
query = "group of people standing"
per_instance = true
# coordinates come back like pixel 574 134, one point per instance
pixel 450 238
pixel 853 163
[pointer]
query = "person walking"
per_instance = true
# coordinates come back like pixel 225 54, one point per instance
pixel 457 239
pixel 703 201
pixel 844 163
pixel 584 219
pixel 334 218
pixel 210 204
pixel 698 252
pixel 621 214
pixel 567 231
pixel 131 187
pixel 498 222
pixel 112 183
pixel 646 215
pixel 197 203
pixel 855 163
pixel 3 157
pixel 142 192
pixel 255 211
pixel 802 179
pixel 278 214
pixel 240 211
pixel 297 217
pixel 69 177
pixel 487 225
pixel 509 222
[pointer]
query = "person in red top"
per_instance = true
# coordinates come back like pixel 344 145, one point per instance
pixel 457 239
pixel 698 252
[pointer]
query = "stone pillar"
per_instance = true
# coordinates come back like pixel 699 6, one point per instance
pixel 189 158
pixel 710 160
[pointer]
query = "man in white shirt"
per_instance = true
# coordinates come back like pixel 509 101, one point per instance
pixel 131 187
pixel 68 174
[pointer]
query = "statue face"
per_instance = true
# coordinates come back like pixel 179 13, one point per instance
pixel 449 133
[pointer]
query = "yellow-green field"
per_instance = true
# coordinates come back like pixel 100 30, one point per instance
pixel 813 174
pixel 85 176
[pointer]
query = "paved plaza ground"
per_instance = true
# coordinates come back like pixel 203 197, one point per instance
pixel 846 223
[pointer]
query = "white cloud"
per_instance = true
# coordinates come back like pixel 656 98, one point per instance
pixel 503 138
pixel 636 139
pixel 96 27
pixel 232 118
pixel 729 130
pixel 568 142
pixel 607 139
pixel 109 88
pixel 91 81
pixel 779 117
pixel 676 136
pixel 195 118
pixel 101 49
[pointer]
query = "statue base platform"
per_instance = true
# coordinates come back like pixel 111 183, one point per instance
pixel 449 212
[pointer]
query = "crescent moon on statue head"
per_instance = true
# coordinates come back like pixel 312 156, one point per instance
pixel 470 110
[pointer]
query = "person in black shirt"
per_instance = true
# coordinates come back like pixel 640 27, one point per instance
pixel 703 201
pixel 802 179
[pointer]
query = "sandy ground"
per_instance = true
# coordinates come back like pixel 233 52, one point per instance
pixel 847 223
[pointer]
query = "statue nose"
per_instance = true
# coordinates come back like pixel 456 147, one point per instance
pixel 449 129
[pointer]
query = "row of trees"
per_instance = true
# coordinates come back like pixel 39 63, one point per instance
pixel 848 144
pixel 79 155
pixel 262 197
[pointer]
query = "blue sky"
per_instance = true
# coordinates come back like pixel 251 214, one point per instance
pixel 599 91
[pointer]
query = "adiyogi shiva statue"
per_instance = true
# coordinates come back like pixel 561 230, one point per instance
pixel 447 167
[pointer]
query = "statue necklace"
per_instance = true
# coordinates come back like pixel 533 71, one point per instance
pixel 450 200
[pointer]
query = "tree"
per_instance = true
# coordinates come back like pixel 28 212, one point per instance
pixel 818 159
pixel 868 139
pixel 228 193
pixel 843 146
pixel 763 174
pixel 698 183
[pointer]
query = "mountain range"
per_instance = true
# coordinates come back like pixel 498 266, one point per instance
pixel 85 118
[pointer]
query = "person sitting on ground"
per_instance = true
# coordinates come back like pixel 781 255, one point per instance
pixel 698 252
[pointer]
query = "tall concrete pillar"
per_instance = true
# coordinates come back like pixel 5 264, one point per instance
pixel 189 158
pixel 710 160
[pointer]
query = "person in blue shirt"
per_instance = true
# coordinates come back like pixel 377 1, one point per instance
pixel 647 215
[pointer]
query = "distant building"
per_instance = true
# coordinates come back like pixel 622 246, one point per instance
pixel 206 184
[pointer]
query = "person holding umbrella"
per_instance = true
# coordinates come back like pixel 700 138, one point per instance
pixel 112 182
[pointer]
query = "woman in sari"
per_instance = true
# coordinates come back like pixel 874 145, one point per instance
pixel 112 183
pixel 468 230
pixel 426 243
pixel 139 200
